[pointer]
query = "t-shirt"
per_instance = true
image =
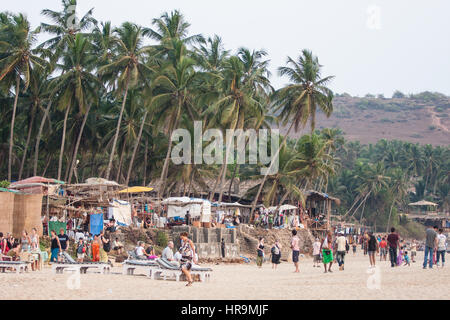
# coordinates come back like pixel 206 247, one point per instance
pixel 63 241
pixel 392 240
pixel 177 256
pixel 431 237
pixel 316 248
pixel 383 244
pixel 139 251
pixel 341 241
pixel 441 242
pixel 294 243
pixel 372 244
pixel 167 254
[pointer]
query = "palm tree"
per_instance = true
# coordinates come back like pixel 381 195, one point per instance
pixel 397 188
pixel 298 101
pixel 173 86
pixel 126 69
pixel 65 27
pixel 17 60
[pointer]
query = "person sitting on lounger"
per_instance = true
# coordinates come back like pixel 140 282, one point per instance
pixel 14 252
pixel 168 254
pixel 140 251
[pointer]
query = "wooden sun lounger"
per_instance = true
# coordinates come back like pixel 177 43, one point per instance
pixel 19 266
pixel 81 267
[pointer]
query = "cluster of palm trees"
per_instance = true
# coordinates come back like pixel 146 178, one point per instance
pixel 375 180
pixel 100 100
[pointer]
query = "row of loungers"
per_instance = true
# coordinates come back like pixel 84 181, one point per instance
pixel 18 266
pixel 154 269
pixel 161 269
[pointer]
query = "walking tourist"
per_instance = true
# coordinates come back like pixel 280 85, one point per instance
pixel 260 252
pixel 441 247
pixel 295 246
pixel 327 252
pixel 393 241
pixel 372 248
pixel 341 241
pixel 316 253
pixel 430 246
pixel 383 249
pixel 188 257
pixel 55 247
pixel 413 251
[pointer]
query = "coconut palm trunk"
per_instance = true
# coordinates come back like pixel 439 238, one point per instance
pixel 25 150
pixel 389 219
pixel 11 137
pixel 136 145
pixel 38 138
pixel 63 140
pixel 116 137
pixel 169 151
pixel 265 176
pixel 77 145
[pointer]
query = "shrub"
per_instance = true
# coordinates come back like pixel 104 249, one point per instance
pixel 162 239
pixel 4 184
pixel 432 128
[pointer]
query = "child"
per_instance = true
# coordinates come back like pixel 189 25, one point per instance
pixel 81 250
pixel 354 248
pixel 406 258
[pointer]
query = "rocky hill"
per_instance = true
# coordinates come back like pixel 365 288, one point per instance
pixel 422 118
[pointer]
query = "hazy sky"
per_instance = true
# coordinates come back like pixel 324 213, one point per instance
pixel 370 46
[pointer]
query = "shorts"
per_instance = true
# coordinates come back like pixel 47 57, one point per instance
pixel 371 253
pixel 81 255
pixel 383 251
pixel 186 264
pixel 295 255
pixel 413 253
pixel 316 257
pixel 327 258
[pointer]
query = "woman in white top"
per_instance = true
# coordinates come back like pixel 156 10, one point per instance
pixel 34 240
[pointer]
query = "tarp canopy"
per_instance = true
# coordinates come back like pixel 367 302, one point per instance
pixel 179 206
pixel 37 180
pixel 136 190
pixel 284 207
pixel 121 211
pixel 423 203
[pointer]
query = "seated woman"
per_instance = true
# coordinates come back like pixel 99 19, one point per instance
pixel 150 253
pixel 14 252
pixel 118 246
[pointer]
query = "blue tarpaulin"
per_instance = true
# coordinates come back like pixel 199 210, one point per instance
pixel 96 223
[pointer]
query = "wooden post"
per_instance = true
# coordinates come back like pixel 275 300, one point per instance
pixel 48 213
pixel 328 203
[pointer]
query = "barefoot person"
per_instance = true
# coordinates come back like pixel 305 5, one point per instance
pixel 372 249
pixel 55 247
pixel 327 253
pixel 383 247
pixel 393 241
pixel 187 256
pixel 430 246
pixel 260 252
pixel 413 251
pixel 316 253
pixel 341 241
pixel 295 246
pixel 441 247
pixel 276 254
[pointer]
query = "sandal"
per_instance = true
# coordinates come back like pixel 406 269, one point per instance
pixel 189 283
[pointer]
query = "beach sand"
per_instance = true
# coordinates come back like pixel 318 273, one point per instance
pixel 244 282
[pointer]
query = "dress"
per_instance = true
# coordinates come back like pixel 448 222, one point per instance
pixel 276 254
pixel 186 255
pixel 95 251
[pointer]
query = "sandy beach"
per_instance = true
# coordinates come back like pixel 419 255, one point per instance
pixel 243 282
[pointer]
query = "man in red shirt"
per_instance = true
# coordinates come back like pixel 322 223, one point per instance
pixel 393 241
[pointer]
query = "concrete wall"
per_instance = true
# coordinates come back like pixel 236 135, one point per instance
pixel 207 241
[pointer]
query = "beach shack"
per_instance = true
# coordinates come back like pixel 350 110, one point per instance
pixel 199 210
pixel 317 212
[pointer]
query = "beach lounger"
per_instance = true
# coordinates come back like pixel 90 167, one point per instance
pixel 170 270
pixel 133 263
pixel 81 267
pixel 18 266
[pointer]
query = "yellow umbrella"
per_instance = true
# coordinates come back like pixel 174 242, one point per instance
pixel 136 190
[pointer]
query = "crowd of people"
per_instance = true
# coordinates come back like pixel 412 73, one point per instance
pixel 333 248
